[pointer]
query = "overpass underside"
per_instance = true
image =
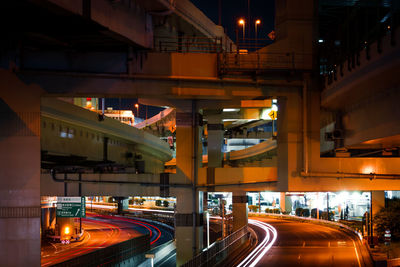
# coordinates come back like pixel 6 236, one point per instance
pixel 42 65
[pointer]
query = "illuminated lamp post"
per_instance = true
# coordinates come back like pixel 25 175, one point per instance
pixel 256 23
pixel 243 24
pixel 137 109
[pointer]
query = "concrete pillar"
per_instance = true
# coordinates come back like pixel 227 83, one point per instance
pixel 377 202
pixel 66 228
pixel 19 172
pixel 123 204
pixel 239 209
pixel 215 130
pixel 285 202
pixel 289 139
pixel 189 208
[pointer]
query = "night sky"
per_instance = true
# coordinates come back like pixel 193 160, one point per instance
pixel 129 104
pixel 232 10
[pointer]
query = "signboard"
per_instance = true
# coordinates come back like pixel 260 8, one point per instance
pixel 273 114
pixel 388 237
pixel 71 207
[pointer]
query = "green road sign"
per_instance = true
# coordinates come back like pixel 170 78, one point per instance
pixel 71 207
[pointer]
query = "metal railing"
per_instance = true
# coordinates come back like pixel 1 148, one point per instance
pixel 219 250
pixel 241 60
pixel 188 44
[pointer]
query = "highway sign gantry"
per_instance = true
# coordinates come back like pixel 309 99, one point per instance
pixel 71 207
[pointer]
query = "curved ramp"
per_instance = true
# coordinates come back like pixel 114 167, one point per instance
pixel 246 153
pixel 157 118
pixel 80 117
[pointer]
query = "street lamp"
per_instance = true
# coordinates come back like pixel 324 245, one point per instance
pixel 256 23
pixel 137 109
pixel 242 23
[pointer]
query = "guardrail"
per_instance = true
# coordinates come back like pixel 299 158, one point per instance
pixel 318 221
pixel 129 249
pixel 243 60
pixel 219 250
pixel 186 44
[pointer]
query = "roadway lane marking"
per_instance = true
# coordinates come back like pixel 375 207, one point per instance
pixel 355 249
pixel 167 259
pixel 270 237
pixel 307 247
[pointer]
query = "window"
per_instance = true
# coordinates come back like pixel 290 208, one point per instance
pixel 71 133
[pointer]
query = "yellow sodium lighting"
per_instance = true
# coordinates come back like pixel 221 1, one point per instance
pixel 241 21
pixel 258 21
pixel 66 230
pixel 368 169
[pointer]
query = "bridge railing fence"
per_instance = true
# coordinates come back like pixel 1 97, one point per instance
pixel 243 60
pixel 219 250
pixel 188 44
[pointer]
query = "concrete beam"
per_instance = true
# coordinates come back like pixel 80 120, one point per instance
pixel 134 24
pixel 172 87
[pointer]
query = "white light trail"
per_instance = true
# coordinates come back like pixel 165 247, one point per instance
pixel 270 236
pixel 88 205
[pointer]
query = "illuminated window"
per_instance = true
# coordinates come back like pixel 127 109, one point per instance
pixel 71 133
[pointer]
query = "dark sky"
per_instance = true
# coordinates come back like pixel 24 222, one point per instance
pixel 232 10
pixel 129 104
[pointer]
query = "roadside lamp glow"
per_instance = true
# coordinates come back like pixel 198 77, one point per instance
pixel 66 230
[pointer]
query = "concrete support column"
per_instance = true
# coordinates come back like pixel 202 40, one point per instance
pixel 240 212
pixel 285 203
pixel 377 203
pixel 19 172
pixel 215 130
pixel 66 228
pixel 189 206
pixel 289 139
pixel 123 204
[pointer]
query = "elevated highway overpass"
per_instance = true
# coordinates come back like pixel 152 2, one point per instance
pixel 116 58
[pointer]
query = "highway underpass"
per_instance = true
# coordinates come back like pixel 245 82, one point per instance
pixel 326 76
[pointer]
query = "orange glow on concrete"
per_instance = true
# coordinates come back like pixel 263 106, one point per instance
pixel 367 169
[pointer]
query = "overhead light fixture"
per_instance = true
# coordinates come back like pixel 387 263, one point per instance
pixel 231 109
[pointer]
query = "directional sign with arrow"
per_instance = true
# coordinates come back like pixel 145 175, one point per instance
pixel 273 114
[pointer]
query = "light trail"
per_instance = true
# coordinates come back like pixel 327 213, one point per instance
pixel 270 236
pixel 148 226
pixel 88 206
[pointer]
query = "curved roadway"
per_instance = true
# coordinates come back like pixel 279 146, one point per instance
pixel 308 244
pixel 102 231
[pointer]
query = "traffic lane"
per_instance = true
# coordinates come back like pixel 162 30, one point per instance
pixel 158 234
pixel 307 244
pixel 98 235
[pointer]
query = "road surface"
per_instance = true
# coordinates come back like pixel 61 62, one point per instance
pixel 102 231
pixel 308 244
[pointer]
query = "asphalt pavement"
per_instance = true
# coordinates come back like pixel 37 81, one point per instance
pixel 308 244
pixel 102 231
